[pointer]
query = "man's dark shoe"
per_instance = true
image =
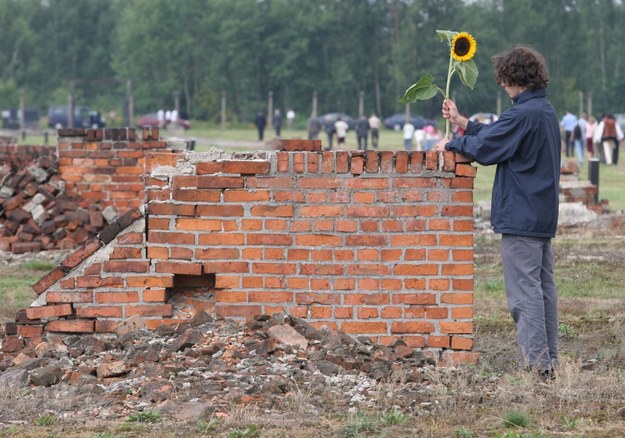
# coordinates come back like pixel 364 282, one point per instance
pixel 547 375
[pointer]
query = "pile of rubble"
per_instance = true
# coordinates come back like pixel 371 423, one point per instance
pixel 206 364
pixel 35 212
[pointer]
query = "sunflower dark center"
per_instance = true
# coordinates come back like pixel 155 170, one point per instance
pixel 462 46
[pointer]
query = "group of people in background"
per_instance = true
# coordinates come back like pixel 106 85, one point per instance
pixel 364 128
pixel 260 121
pixel 588 136
pixel 423 138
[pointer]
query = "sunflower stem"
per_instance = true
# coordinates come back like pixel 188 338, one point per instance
pixel 449 74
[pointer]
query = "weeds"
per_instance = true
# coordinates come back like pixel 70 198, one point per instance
pixel 250 431
pixel 394 417
pixel 45 420
pixel 516 419
pixel 360 423
pixel 145 417
pixel 207 426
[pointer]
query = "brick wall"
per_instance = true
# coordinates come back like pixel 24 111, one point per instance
pixel 372 243
pixel 106 166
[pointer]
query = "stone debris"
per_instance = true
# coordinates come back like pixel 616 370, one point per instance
pixel 205 366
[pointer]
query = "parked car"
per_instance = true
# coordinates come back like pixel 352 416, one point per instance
pixel 84 117
pixel 331 118
pixel 397 121
pixel 151 121
pixel 485 118
pixel 11 118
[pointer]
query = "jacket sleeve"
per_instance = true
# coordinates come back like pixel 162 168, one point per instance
pixel 619 133
pixel 491 144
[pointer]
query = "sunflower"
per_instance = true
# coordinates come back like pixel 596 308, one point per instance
pixel 463 46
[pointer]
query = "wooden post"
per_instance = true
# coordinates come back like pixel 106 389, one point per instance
pixel 314 105
pixel 361 103
pixel 270 108
pixel 223 110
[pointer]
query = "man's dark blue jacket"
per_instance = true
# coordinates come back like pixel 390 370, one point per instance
pixel 525 144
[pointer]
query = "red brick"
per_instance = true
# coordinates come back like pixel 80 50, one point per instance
pixel 105 326
pixel 80 255
pixel 155 295
pixel 457 327
pixel 466 170
pixel 29 331
pixel 117 297
pixel 461 343
pixel 126 266
pixel 412 327
pixel 71 326
pixel 438 341
pixel 69 297
pixel 52 311
pixel 179 268
pixel 369 327
pixel 48 280
pixel 150 310
pixel 237 310
pixel 99 312
pixel 451 357
pixel 149 281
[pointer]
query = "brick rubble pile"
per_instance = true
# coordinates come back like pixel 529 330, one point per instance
pixel 35 212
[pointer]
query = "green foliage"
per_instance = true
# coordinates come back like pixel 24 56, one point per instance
pixel 516 419
pixel 570 423
pixel 106 435
pixel 45 420
pixel 250 431
pixel 394 417
pixel 360 423
pixel 463 432
pixel 38 265
pixel 566 331
pixel 207 426
pixel 145 417
pixel 293 48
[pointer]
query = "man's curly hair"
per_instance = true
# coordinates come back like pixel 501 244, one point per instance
pixel 521 66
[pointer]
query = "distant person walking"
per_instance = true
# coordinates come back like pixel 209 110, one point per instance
pixel 590 132
pixel 568 123
pixel 260 121
pixel 290 117
pixel 341 128
pixel 277 122
pixel 408 134
pixel 314 128
pixel 610 135
pixel 328 127
pixel 375 124
pixel 362 132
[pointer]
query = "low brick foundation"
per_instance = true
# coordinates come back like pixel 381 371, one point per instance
pixel 372 243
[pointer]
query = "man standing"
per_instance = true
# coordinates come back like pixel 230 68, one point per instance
pixel 374 125
pixel 341 128
pixel 277 122
pixel 260 121
pixel 524 143
pixel 568 124
pixel 362 132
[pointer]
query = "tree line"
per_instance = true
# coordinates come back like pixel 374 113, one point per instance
pixel 200 49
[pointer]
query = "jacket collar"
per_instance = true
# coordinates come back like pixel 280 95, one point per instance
pixel 529 94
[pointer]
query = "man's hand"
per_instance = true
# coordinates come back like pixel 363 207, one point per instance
pixel 450 111
pixel 440 146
